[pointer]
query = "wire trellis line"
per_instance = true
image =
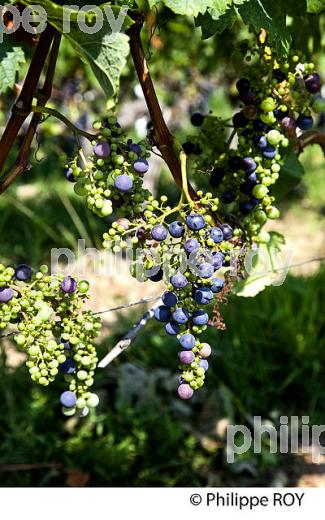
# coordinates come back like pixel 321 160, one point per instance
pixel 155 298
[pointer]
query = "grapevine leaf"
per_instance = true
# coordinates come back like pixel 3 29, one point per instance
pixel 315 6
pixel 270 16
pixel 105 51
pixel 192 7
pixel 290 175
pixel 11 58
pixel 265 268
pixel 211 23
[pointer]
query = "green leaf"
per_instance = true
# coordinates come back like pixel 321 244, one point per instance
pixel 105 51
pixel 213 22
pixel 266 268
pixel 11 58
pixel 192 7
pixel 315 6
pixel 270 16
pixel 290 175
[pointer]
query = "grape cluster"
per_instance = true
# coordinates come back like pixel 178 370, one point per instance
pixel 53 330
pixel 112 178
pixel 276 98
pixel 186 252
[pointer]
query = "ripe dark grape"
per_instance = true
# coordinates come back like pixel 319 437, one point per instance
pixel 141 166
pixel 185 391
pixel 243 85
pixel 23 272
pixel 227 231
pixel 159 233
pixel 179 281
pixel 216 234
pixel 102 150
pixel 304 122
pixel 176 229
pixel 195 222
pixel 123 183
pixel 313 83
pixel 68 399
pixel 69 285
pixel 6 294
pixel 197 119
pixel 239 120
pixel 187 341
pixel 162 313
pixel 170 299
pixel 181 316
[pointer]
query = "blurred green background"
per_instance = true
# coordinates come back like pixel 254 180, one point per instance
pixel 268 362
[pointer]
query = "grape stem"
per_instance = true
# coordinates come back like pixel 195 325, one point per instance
pixel 65 120
pixel 182 156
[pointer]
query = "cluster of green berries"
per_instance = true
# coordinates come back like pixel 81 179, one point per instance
pixel 53 330
pixel 112 178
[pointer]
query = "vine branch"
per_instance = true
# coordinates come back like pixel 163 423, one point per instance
pixel 21 163
pixel 309 138
pixel 165 140
pixel 22 107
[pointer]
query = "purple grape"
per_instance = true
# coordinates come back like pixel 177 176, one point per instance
pixel 159 233
pixel 239 120
pixel 279 114
pixel 179 281
pixel 66 344
pixel 187 341
pixel 69 285
pixel 170 299
pixel 177 229
pixel 205 270
pixel 162 314
pixel 68 367
pixel 313 83
pixel 217 175
pixel 23 272
pixel 172 328
pixel 69 175
pixel 141 234
pixel 191 245
pixel 288 123
pixel 218 260
pixel 216 234
pixel 195 222
pixel 227 231
pixel 141 166
pixel 204 364
pixel 269 152
pixel 200 318
pixel 304 122
pixel 68 399
pixel 181 316
pixel 102 149
pixel 279 75
pixel 243 85
pixel 260 141
pixel 123 183
pixel 197 119
pixel 251 177
pixel 6 294
pixel 217 285
pixel 135 148
pixel 157 277
pixel 246 206
pixel 185 391
pixel 249 164
pixel 186 357
pixel 203 295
